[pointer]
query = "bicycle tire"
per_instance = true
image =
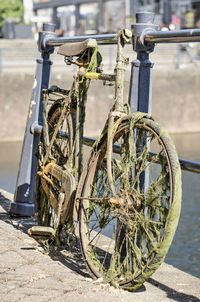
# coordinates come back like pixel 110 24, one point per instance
pixel 125 238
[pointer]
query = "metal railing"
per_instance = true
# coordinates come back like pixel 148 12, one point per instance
pixel 145 36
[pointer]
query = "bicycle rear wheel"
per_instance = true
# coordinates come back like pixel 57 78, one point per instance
pixel 55 185
pixel 125 237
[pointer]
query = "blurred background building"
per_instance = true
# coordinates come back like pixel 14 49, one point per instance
pixel 90 17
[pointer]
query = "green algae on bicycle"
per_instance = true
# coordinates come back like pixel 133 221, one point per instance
pixel 128 195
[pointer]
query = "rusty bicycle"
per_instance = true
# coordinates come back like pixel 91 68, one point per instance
pixel 127 196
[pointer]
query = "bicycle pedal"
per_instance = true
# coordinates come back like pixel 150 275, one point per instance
pixel 41 232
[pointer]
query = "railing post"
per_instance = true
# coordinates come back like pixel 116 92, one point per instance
pixel 141 69
pixel 140 82
pixel 23 204
pixel 140 94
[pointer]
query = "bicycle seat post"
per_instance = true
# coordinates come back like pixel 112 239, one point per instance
pixel 23 204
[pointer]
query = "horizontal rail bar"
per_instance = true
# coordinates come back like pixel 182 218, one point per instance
pixel 186 165
pixel 189 165
pixel 173 36
pixel 102 39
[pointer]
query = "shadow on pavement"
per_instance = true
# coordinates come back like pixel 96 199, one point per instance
pixel 173 294
pixel 70 255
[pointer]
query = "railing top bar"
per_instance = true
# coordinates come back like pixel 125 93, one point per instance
pixel 174 36
pixel 102 39
pixel 189 165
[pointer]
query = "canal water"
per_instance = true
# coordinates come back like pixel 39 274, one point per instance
pixel 184 252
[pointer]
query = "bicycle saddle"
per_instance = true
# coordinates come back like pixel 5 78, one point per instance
pixel 77 48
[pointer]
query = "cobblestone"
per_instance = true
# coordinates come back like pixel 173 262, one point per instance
pixel 28 273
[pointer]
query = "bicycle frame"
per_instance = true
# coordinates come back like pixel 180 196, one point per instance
pixel 80 81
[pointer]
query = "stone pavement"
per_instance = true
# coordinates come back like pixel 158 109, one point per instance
pixel 28 273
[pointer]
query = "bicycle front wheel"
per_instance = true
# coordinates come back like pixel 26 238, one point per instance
pixel 125 236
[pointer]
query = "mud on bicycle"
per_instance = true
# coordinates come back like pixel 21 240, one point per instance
pixel 127 196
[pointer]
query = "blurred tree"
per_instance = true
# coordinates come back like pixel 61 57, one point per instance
pixel 11 9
